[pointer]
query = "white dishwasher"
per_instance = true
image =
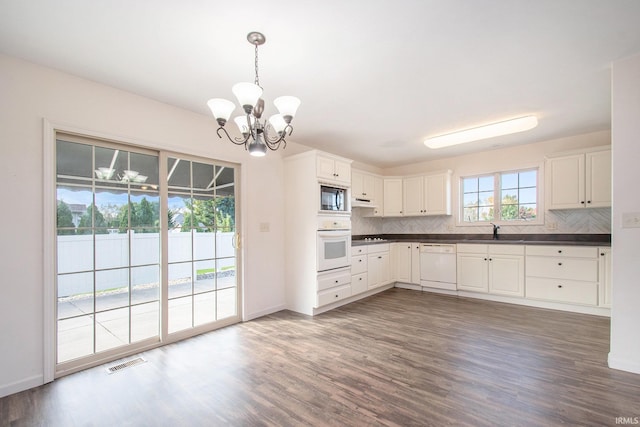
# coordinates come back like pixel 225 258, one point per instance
pixel 438 266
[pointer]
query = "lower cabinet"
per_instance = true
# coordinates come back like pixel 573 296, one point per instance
pixel 333 286
pixel 378 265
pixel 604 277
pixel 495 269
pixel 406 262
pixel 566 274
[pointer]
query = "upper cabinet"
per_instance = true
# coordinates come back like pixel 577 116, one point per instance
pixel 579 180
pixel 333 169
pixel 427 195
pixel 392 197
pixel 368 187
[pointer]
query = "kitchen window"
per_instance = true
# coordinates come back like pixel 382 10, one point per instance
pixel 505 197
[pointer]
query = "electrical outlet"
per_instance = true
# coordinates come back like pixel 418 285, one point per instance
pixel 264 227
pixel 551 225
pixel 450 227
pixel 631 220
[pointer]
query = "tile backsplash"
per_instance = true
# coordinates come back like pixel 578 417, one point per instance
pixel 569 221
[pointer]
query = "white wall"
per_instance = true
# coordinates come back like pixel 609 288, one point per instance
pixel 32 93
pixel 625 128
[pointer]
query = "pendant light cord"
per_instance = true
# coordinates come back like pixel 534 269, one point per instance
pixel 257 80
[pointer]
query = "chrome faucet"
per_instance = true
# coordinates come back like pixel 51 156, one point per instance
pixel 495 231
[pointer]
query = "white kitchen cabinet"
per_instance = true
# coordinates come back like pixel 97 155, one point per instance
pixel 378 196
pixel 333 169
pixel 369 187
pixel 378 265
pixel 333 286
pixel 604 277
pixel 566 274
pixel 407 262
pixel 495 269
pixel 392 196
pixel 427 195
pixel 579 180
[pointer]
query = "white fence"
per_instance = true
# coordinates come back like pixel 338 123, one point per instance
pixel 208 251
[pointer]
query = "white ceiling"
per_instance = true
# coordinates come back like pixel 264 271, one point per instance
pixel 375 77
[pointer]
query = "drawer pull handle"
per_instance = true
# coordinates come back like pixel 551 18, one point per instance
pixel 559 252
pixel 490 259
pixel 336 295
pixel 336 281
pixel 379 257
pixel 485 259
pixel 559 263
pixel 559 286
pixel 359 260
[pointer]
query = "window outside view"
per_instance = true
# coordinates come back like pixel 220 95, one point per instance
pixel 109 246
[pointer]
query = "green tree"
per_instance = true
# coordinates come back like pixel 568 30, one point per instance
pixel 144 216
pixel 65 219
pixel 509 209
pixel 99 223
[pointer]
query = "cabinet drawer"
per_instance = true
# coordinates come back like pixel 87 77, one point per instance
pixel 380 247
pixel 570 291
pixel 359 283
pixel 358 264
pixel 563 268
pixel 333 295
pixel 333 279
pixel 564 251
pixel 358 250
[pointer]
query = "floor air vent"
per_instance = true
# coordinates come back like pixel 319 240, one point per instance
pixel 121 366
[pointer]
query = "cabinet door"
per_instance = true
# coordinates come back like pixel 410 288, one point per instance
pixel 357 184
pixel 393 197
pixel 378 193
pixel 342 171
pixel 565 182
pixel 437 194
pixel 368 187
pixel 412 196
pixel 415 263
pixel 598 175
pixel 403 262
pixel 506 275
pixel 379 269
pixel 604 277
pixel 472 270
pixel 385 268
pixel 325 168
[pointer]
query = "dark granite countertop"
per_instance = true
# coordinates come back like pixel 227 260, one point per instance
pixel 513 239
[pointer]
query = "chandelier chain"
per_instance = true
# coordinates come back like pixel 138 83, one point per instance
pixel 257 80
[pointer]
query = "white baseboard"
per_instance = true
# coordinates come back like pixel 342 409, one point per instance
pixel 266 311
pixel 22 385
pixel 623 364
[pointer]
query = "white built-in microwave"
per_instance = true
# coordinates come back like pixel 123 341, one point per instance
pixel 334 199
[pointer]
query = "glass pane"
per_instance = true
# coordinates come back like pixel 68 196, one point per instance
pixel 485 214
pixel 112 250
pixel 203 176
pixel 179 173
pixel 528 211
pixel 204 308
pixel 485 183
pixel 204 245
pixel 75 338
pixel 112 329
pixel 73 159
pixel 147 168
pixel 145 321
pixel 75 295
pixel 203 213
pixel 225 181
pixel 179 206
pixel 486 198
pixel 470 214
pixel 112 289
pixel 226 213
pixel 224 245
pixel 227 303
pixel 145 211
pixel 145 247
pixel 180 279
pixel 205 276
pixel 180 314
pixel 509 212
pixel 471 199
pixel 110 167
pixel 112 205
pixel 470 185
pixel 72 206
pixel 509 196
pixel 226 273
pixel 528 179
pixel 528 195
pixel 509 180
pixel 145 284
pixel 75 253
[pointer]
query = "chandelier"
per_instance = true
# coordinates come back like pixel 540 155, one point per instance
pixel 257 135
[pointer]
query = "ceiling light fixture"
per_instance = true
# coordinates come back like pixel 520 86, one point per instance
pixel 257 136
pixel 482 132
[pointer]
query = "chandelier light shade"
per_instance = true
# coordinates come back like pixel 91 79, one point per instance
pixel 491 130
pixel 257 135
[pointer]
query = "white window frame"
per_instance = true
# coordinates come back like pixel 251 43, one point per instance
pixel 539 220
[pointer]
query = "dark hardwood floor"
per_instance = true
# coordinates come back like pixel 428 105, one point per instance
pixel 400 358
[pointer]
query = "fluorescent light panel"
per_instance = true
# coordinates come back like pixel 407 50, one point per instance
pixel 483 132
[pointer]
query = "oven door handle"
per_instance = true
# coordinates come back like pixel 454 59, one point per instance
pixel 333 234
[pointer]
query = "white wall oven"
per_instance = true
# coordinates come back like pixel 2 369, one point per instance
pixel 334 243
pixel 334 199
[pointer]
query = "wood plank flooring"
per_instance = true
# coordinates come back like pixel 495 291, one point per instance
pixel 399 358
